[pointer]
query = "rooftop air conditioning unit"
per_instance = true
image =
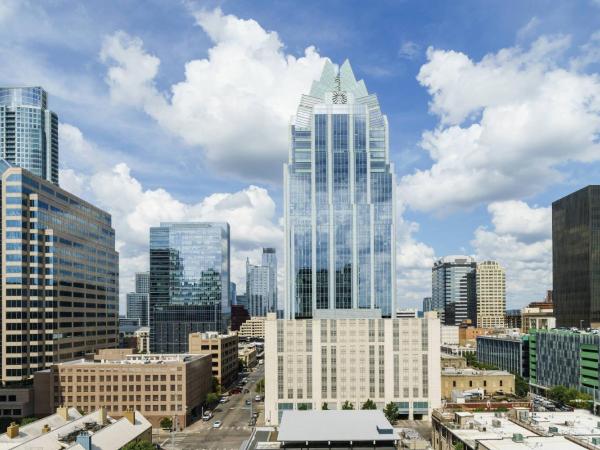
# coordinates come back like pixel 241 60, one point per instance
pixel 552 429
pixel 517 437
pixel 496 423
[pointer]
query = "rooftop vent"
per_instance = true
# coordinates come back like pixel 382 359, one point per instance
pixel 517 437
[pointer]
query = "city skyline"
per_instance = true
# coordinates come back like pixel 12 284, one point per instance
pixel 122 166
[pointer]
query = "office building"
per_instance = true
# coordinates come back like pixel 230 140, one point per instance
pixel 312 362
pixel 253 328
pixel 449 334
pixel 248 355
pixel 155 385
pixel 223 349
pixel 513 430
pixel 506 352
pixel 257 289
pixel 189 283
pixel 451 287
pixel 565 358
pixel 456 362
pixel 142 282
pixel 239 315
pixel 491 382
pixel 339 197
pixel 138 302
pixel 29 131
pixel 427 304
pixel 269 259
pixel 68 429
pixel 60 276
pixel 513 319
pixel 537 316
pixel 242 300
pixel 490 294
pixel 575 246
pixel 406 313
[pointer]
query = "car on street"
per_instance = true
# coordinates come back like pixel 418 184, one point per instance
pixel 217 424
pixel 207 416
pixel 223 400
pixel 235 391
pixel 258 398
pixel 248 402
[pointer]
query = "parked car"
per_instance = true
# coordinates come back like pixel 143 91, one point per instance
pixel 258 398
pixel 248 402
pixel 235 391
pixel 207 416
pixel 223 400
pixel 217 424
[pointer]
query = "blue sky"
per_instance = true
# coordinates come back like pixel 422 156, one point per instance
pixel 177 111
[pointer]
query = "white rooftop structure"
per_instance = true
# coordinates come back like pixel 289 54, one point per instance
pixel 336 426
pixel 97 429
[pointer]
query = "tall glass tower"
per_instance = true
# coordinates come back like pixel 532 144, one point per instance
pixel 339 203
pixel 29 131
pixel 189 282
pixel 452 288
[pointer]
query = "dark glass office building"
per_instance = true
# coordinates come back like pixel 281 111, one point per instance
pixel 189 283
pixel 576 258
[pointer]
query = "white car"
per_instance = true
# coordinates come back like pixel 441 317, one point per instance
pixel 224 400
pixel 217 424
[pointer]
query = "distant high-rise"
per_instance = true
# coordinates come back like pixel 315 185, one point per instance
pixel 29 131
pixel 269 259
pixel 491 295
pixel 576 258
pixel 138 303
pixel 339 203
pixel 427 306
pixel 60 276
pixel 189 282
pixel 450 287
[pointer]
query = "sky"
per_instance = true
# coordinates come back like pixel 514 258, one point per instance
pixel 178 110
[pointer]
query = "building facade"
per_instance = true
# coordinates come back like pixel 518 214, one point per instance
pixel 138 302
pixel 339 202
pixel 451 287
pixel 29 131
pixel 269 259
pixel 490 381
pixel 313 362
pixel 223 349
pixel 427 304
pixel 449 335
pixel 510 353
pixel 253 328
pixel 538 316
pixel 156 385
pixel 239 315
pixel 576 258
pixel 189 282
pixel 257 289
pixel 60 276
pixel 491 295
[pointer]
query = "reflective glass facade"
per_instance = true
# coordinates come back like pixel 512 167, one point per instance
pixel 60 276
pixel 339 194
pixel 189 283
pixel 576 258
pixel 29 131
pixel 453 288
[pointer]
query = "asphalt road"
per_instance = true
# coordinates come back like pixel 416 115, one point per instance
pixel 234 416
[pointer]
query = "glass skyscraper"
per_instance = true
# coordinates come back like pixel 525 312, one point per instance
pixel 453 288
pixel 339 203
pixel 576 258
pixel 138 302
pixel 189 282
pixel 261 284
pixel 29 131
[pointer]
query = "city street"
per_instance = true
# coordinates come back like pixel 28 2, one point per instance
pixel 234 416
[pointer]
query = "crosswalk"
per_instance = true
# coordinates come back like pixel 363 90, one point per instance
pixel 221 428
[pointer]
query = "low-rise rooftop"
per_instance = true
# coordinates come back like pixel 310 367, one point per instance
pixel 138 359
pixel 336 426
pixel 468 372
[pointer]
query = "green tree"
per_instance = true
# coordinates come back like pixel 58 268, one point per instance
pixel 459 446
pixel 166 423
pixel 391 412
pixel 302 407
pixel 211 398
pixel 26 420
pixel 324 406
pixel 216 386
pixel 260 386
pixel 369 404
pixel 521 386
pixel 139 445
pixel 347 405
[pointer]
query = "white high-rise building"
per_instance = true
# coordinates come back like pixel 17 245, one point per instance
pixel 339 203
pixel 315 362
pixel 491 295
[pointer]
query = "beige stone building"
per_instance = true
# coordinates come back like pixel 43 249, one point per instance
pixel 223 349
pixel 253 328
pixel 454 361
pixel 491 294
pixel 156 385
pixel 315 361
pixel 491 381
pixel 60 276
pixel 248 355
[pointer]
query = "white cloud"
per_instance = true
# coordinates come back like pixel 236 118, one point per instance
pixel 409 50
pixel 235 104
pixel 506 123
pixel 521 242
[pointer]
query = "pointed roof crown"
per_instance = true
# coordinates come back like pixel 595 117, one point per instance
pixel 334 80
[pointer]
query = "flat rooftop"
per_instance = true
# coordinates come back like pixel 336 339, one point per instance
pixel 141 359
pixel 472 372
pixel 335 426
